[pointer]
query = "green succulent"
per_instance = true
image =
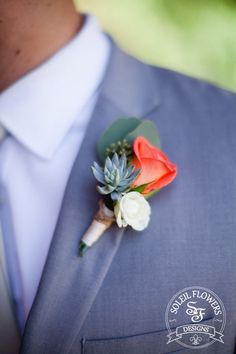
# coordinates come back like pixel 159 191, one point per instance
pixel 116 176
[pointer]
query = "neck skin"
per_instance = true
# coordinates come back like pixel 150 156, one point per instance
pixel 30 32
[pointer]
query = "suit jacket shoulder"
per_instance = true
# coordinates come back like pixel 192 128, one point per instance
pixel 201 95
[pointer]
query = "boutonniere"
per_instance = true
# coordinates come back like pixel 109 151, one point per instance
pixel 132 169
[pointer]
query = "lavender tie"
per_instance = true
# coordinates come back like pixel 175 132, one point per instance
pixel 9 334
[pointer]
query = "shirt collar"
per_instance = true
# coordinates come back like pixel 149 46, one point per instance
pixel 40 108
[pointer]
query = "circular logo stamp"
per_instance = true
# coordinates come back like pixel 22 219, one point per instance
pixel 195 318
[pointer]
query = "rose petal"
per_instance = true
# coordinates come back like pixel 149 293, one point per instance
pixel 156 169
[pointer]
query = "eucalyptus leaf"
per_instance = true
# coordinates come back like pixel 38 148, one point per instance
pixel 117 131
pixel 148 130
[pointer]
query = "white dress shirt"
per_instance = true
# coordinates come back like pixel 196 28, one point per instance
pixel 46 114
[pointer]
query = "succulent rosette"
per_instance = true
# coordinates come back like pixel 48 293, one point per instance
pixel 132 168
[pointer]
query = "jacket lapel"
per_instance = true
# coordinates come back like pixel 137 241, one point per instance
pixel 69 283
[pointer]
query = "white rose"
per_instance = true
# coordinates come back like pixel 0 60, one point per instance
pixel 133 210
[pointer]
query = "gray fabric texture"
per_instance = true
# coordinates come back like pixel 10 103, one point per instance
pixel 113 300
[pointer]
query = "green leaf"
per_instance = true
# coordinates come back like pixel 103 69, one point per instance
pixel 117 131
pixel 139 189
pixel 148 130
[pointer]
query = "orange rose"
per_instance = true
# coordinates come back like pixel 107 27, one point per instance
pixel 156 171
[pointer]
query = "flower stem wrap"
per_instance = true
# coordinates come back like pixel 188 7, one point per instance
pixel 101 222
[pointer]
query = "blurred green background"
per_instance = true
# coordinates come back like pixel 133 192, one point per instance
pixel 195 37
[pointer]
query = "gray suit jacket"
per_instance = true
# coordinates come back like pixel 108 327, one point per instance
pixel 114 299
